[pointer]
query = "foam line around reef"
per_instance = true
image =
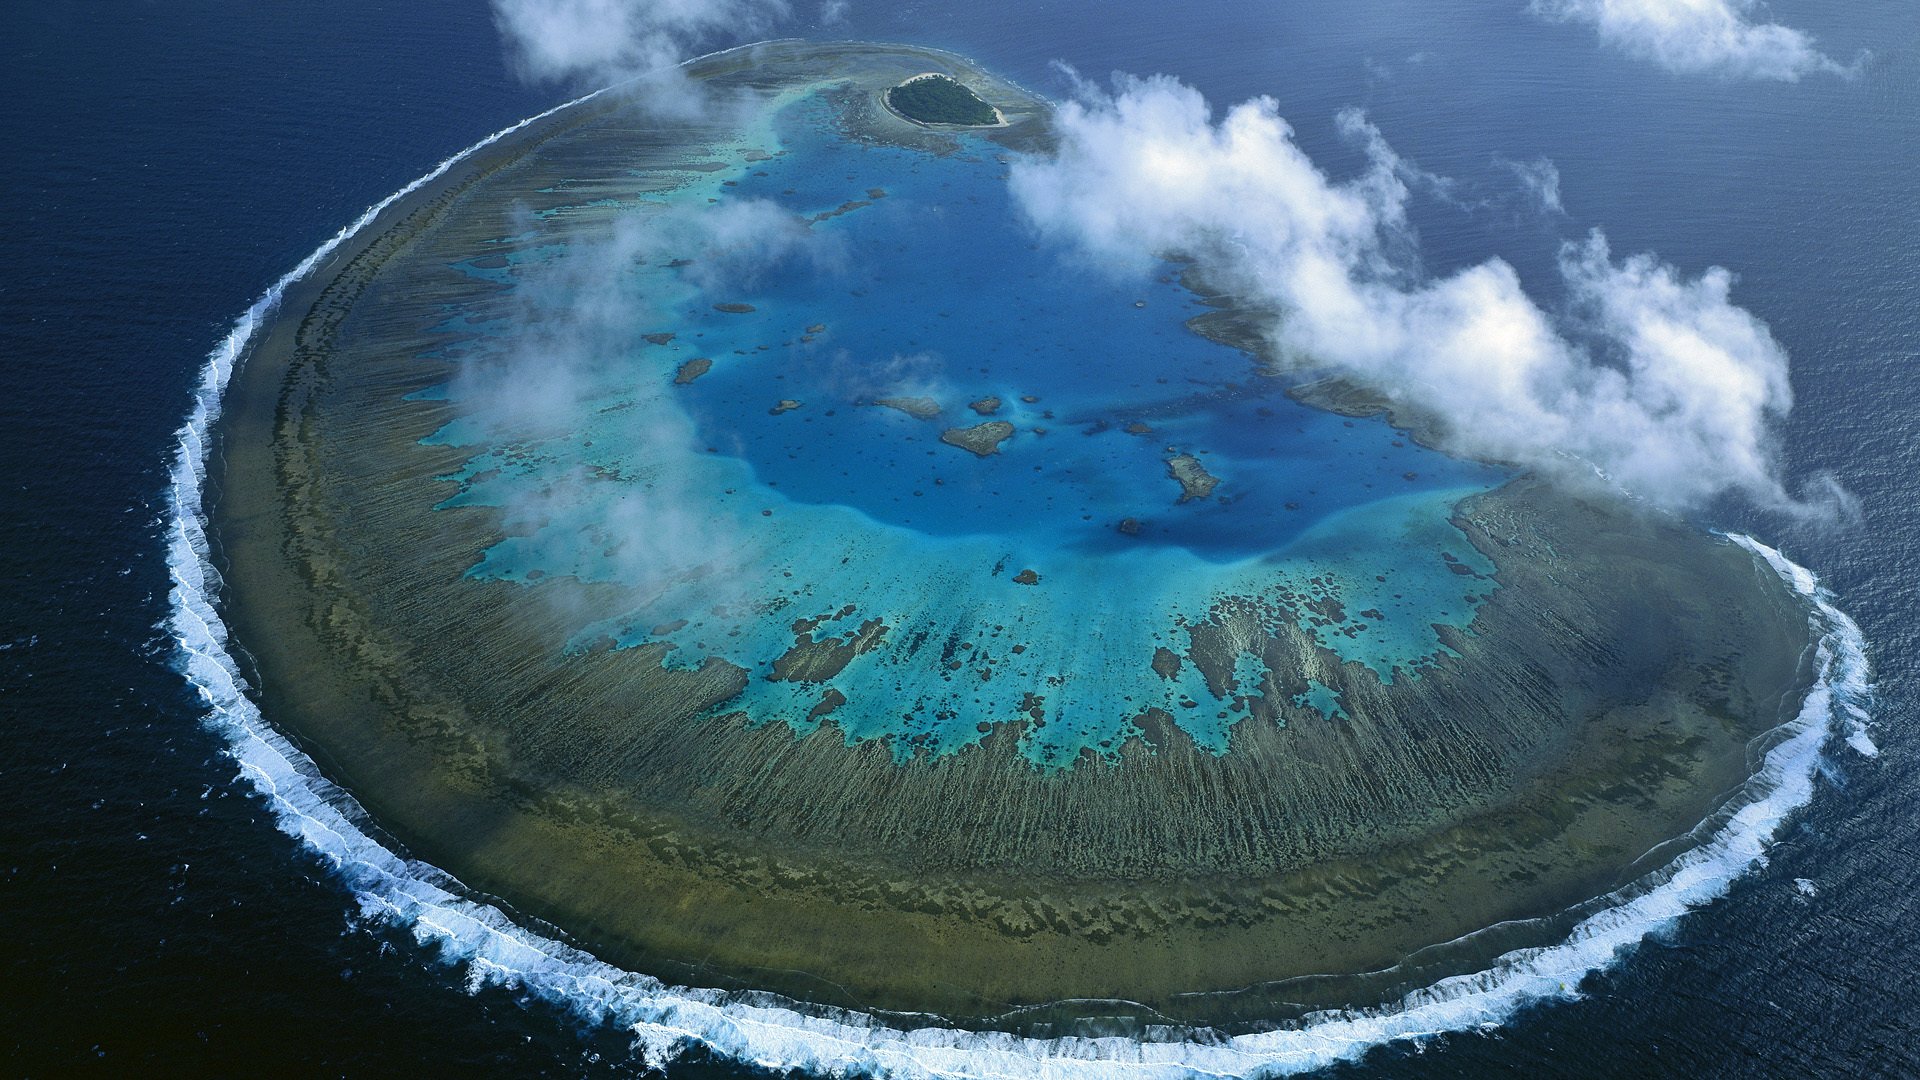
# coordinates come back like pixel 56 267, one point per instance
pixel 667 1020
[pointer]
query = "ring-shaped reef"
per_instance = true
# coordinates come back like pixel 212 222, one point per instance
pixel 736 541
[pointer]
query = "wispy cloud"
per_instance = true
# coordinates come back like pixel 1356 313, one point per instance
pixel 1655 379
pixel 733 244
pixel 578 357
pixel 1712 37
pixel 1540 179
pixel 601 42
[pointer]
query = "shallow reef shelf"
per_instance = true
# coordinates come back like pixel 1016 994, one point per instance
pixel 740 544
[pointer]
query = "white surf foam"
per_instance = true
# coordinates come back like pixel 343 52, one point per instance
pixel 667 1020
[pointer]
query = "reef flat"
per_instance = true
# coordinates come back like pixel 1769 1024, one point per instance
pixel 980 439
pixel 790 722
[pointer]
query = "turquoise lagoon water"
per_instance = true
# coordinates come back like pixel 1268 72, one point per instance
pixel 771 489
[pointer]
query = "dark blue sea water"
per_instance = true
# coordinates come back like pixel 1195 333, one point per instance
pixel 162 165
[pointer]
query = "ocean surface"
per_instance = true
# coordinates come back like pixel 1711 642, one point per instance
pixel 163 166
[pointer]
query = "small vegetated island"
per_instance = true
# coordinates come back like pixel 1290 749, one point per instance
pixel 1176 684
pixel 940 99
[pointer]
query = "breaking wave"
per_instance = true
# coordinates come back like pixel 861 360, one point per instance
pixel 667 1020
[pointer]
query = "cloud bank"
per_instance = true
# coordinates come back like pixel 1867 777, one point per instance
pixel 1698 37
pixel 608 41
pixel 1654 380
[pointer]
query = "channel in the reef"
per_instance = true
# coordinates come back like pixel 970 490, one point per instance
pixel 805 405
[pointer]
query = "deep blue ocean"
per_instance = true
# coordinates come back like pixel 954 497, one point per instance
pixel 162 164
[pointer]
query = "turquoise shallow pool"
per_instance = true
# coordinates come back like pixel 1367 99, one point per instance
pixel 727 455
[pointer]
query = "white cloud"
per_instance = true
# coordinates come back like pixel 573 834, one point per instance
pixel 1714 37
pixel 735 242
pixel 606 41
pixel 579 317
pixel 1540 178
pixel 1656 379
